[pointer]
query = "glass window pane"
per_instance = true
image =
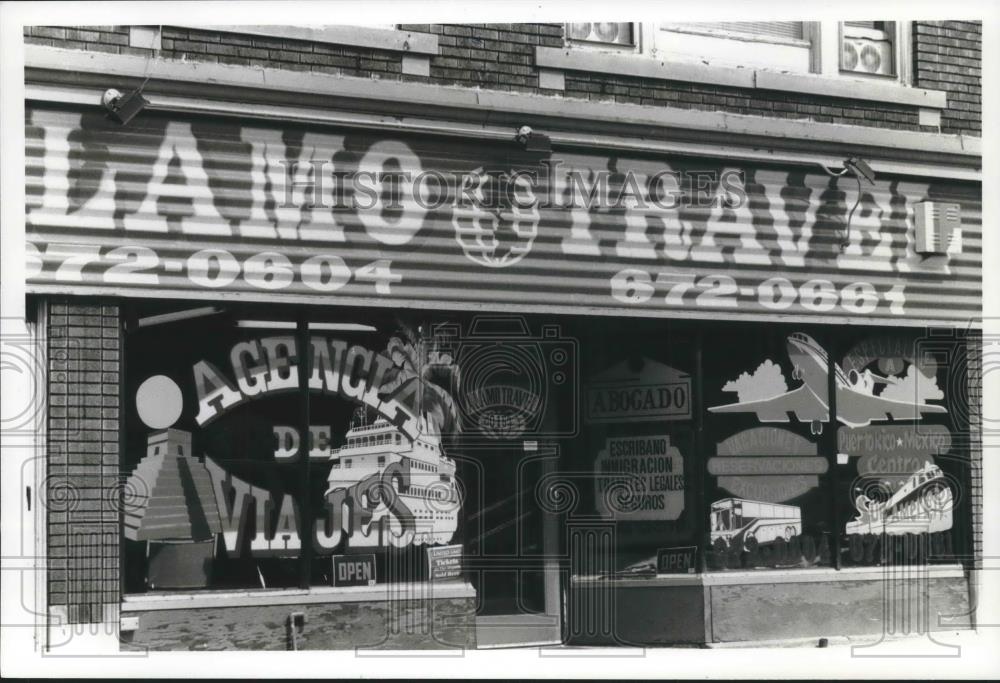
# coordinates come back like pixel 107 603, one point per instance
pixel 610 33
pixel 767 484
pixel 779 29
pixel 868 48
pixel 216 495
pixel 900 489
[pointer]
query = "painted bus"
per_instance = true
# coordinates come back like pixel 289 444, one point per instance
pixel 736 521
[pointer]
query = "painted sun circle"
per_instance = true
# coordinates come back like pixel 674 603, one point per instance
pixel 159 402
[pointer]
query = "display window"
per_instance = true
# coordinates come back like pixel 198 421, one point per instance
pixel 216 493
pixel 766 415
pixel 883 488
pixel 633 468
pixel 902 489
pixel 704 447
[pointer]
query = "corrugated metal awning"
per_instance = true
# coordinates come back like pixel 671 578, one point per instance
pixel 195 207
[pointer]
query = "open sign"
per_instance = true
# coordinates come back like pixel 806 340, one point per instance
pixel 353 570
pixel 676 560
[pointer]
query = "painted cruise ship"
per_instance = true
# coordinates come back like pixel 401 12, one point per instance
pixel 433 496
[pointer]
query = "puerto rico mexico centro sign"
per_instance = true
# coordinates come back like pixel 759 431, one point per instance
pixel 206 208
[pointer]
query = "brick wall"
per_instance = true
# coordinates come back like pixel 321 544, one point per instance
pixel 501 57
pixel 82 492
pixel 740 101
pixel 948 56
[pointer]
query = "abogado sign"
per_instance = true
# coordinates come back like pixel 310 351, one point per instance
pixel 214 208
pixel 639 391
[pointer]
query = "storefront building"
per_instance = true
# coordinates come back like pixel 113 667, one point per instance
pixel 351 343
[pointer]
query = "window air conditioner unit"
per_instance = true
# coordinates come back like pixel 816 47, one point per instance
pixel 867 56
pixel 939 228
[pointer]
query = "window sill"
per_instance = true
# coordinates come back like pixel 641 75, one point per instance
pixel 742 37
pixel 814 575
pixel 569 59
pixel 382 592
pixel 354 36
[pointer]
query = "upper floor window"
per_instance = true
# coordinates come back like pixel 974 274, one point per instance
pixel 784 45
pixel 868 47
pixel 855 48
pixel 605 34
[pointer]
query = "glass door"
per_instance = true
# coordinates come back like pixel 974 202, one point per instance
pixel 512 545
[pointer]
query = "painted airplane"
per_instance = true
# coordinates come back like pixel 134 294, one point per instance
pixel 857 406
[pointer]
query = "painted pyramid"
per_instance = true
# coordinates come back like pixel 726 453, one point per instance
pixel 169 495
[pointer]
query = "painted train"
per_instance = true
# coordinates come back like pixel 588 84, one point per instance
pixel 922 504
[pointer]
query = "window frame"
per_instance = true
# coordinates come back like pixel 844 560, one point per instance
pixel 620 48
pixel 651 41
pixel 822 39
pixel 901 46
pixel 823 80
pixel 682 27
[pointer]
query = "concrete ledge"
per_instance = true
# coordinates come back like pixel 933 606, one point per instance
pixel 210 83
pixel 354 36
pixel 828 574
pixel 781 576
pixel 441 625
pixel 768 608
pixel 835 641
pixel 294 596
pixel 756 79
pixel 594 61
pixel 783 610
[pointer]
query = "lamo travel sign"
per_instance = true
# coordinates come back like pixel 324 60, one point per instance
pixel 214 208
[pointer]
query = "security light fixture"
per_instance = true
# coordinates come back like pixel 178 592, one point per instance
pixel 122 108
pixel 858 168
pixel 861 168
pixel 531 141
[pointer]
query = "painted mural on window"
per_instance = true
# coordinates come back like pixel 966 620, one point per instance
pixel 771 506
pixel 216 494
pixel 766 497
pixel 902 479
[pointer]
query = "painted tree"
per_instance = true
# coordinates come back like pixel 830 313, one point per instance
pixel 425 375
